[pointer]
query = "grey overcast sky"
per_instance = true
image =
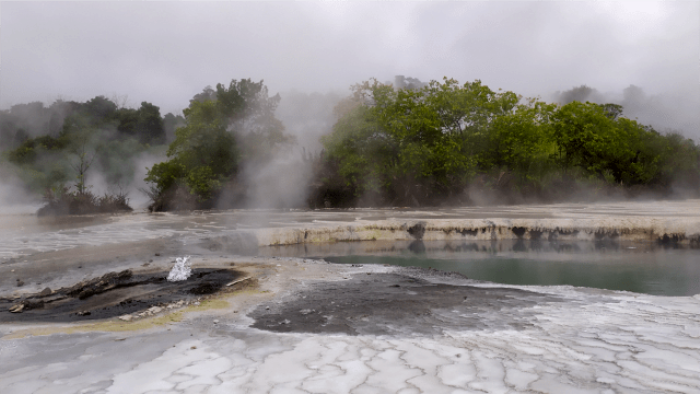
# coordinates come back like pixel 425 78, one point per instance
pixel 165 52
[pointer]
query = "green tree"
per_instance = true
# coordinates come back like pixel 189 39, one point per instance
pixel 521 141
pixel 144 124
pixel 202 156
pixel 414 145
pixel 249 113
pixel 596 139
pixel 98 109
pixel 236 128
pixel 424 145
pixel 150 127
pixel 170 124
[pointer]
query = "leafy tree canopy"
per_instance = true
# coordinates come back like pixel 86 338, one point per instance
pixel 68 131
pixel 224 129
pixel 422 145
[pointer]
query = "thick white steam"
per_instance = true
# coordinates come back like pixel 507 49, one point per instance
pixel 181 270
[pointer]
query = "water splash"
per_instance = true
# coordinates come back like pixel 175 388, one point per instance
pixel 181 271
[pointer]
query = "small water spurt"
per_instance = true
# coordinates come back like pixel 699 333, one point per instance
pixel 181 271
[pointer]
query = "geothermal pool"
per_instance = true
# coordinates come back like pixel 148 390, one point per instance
pixel 343 301
pixel 635 267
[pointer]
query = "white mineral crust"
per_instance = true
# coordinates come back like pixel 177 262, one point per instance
pixel 589 341
pixel 586 343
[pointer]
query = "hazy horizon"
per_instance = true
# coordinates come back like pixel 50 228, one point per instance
pixel 165 52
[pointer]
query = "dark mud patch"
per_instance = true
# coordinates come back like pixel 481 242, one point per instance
pixel 113 294
pixel 417 231
pixel 399 303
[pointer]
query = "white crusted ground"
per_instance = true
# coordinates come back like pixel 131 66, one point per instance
pixel 635 346
pixel 594 342
pixel 634 221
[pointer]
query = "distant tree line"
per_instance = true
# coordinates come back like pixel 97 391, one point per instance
pixel 54 148
pixel 25 121
pixel 427 145
pixel 406 143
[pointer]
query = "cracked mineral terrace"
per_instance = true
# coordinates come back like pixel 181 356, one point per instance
pixel 249 321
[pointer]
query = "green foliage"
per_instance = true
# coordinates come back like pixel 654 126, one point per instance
pixel 170 124
pixel 409 144
pixel 424 146
pixel 26 153
pixel 605 145
pixel 223 130
pixel 678 160
pixel 80 133
pixel 202 156
pixel 249 113
pixel 144 124
pixel 415 145
pixel 521 141
pixel 98 109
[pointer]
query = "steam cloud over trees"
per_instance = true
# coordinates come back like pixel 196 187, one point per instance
pixel 399 143
pixel 446 142
pixel 224 130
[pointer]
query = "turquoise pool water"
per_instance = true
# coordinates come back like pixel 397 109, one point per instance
pixel 642 268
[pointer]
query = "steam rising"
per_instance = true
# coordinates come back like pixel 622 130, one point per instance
pixel 308 116
pixel 669 111
pixel 14 198
pixel 181 270
pixel 281 183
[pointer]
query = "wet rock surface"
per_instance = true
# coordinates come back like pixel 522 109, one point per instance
pixel 398 303
pixel 113 294
pixel 238 243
